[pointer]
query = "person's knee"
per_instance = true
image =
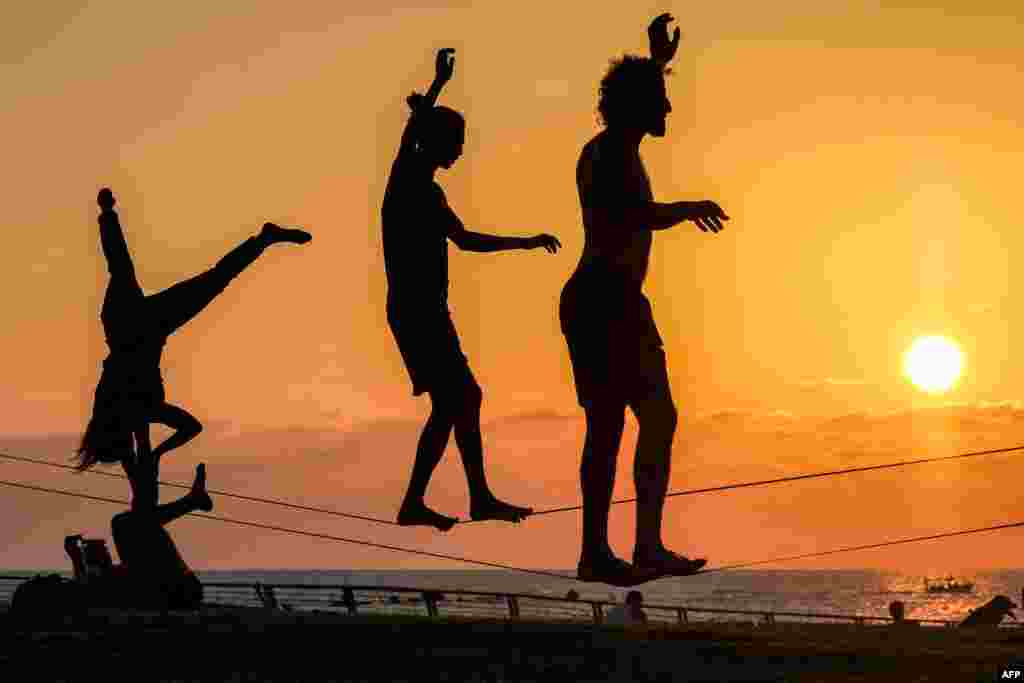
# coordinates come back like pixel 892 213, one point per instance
pixel 605 415
pixel 605 421
pixel 659 418
pixel 194 427
pixel 458 401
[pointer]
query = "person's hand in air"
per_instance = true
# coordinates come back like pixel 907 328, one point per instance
pixel 662 49
pixel 549 242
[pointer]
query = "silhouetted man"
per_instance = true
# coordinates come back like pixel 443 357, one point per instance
pixel 614 345
pixel 417 224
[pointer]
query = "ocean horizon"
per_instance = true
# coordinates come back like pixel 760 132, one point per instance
pixel 864 592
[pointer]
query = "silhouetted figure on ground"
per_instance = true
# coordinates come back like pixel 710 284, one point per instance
pixel 629 614
pixel 130 396
pixel 417 224
pixel 991 613
pixel 897 611
pixel 614 345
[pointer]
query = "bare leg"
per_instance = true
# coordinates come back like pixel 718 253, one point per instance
pixel 651 469
pixel 605 423
pixel 173 307
pixel 483 503
pixel 196 499
pixel 123 293
pixel 429 451
pixel 658 418
pixel 185 425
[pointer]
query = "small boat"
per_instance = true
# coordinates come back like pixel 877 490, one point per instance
pixel 948 585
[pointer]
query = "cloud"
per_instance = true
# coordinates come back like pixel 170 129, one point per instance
pixel 831 383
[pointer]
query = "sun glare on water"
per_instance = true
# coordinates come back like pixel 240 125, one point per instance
pixel 933 364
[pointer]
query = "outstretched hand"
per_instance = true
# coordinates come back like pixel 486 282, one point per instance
pixel 709 216
pixel 662 49
pixel 549 242
pixel 445 65
pixel 105 199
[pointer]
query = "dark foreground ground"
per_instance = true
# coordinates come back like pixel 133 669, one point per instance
pixel 259 645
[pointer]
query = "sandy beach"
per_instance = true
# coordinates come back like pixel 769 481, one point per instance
pixel 248 644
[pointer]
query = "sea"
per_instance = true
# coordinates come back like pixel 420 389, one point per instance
pixel 865 592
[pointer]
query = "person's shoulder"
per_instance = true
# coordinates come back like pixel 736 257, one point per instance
pixel 437 193
pixel 591 149
pixel 589 164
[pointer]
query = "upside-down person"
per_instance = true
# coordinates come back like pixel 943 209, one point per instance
pixel 130 397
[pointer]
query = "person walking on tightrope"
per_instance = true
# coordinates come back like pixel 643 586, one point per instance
pixel 130 397
pixel 614 345
pixel 417 224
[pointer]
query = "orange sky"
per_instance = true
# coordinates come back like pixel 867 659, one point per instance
pixel 868 157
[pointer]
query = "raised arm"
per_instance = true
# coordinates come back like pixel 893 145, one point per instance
pixel 444 68
pixel 662 49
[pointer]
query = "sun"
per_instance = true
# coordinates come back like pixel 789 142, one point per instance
pixel 933 364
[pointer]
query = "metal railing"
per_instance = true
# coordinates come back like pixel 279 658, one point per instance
pixel 409 601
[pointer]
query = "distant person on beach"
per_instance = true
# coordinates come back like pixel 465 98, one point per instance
pixel 991 613
pixel 614 344
pixel 629 614
pixel 417 224
pixel 130 397
pixel 896 610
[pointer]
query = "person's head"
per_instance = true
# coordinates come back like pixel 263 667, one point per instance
pixel 1003 604
pixel 442 133
pixel 106 440
pixel 896 609
pixel 633 96
pixel 634 598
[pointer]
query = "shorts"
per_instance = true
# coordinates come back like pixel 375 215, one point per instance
pixel 614 344
pixel 430 350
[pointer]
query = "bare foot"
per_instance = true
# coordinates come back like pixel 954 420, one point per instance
pixel 668 562
pixel 614 571
pixel 275 233
pixel 418 514
pixel 492 508
pixel 199 495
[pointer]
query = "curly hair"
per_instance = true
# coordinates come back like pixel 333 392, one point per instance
pixel 628 80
